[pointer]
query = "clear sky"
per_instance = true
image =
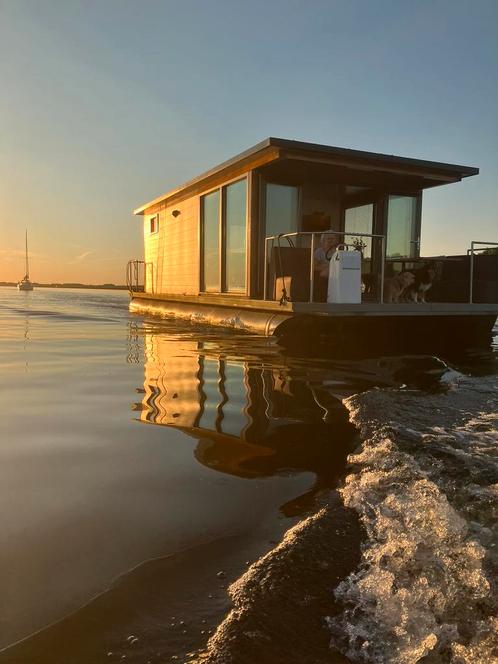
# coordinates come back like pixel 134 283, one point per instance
pixel 106 104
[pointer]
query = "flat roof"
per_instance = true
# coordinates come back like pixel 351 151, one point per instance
pixel 282 146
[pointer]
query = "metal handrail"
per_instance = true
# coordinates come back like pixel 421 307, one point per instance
pixel 133 275
pixel 472 254
pixel 312 271
pixel 274 237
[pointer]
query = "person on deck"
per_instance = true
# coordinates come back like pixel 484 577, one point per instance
pixel 321 257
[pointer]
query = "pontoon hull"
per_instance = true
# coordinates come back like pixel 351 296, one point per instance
pixel 427 328
pixel 432 334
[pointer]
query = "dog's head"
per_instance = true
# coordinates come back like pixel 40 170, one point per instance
pixel 406 279
pixel 433 270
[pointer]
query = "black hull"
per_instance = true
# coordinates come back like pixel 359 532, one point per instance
pixel 354 330
pixel 362 335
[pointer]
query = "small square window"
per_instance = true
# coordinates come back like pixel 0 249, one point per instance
pixel 154 224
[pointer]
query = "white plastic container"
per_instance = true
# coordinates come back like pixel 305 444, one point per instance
pixel 345 277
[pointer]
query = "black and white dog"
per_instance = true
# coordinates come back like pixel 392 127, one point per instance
pixel 424 279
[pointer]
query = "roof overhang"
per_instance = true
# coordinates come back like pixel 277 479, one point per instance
pixel 349 165
pixel 259 155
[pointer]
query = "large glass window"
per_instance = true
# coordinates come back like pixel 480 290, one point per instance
pixel 402 227
pixel 281 209
pixel 211 241
pixel 359 220
pixel 235 235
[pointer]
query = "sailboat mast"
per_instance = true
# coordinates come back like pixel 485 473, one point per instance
pixel 27 265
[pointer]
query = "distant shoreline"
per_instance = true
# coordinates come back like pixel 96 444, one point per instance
pixel 68 285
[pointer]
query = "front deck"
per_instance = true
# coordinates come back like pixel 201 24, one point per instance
pixel 289 309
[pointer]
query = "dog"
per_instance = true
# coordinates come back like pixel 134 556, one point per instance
pixel 368 282
pixel 424 278
pixel 394 286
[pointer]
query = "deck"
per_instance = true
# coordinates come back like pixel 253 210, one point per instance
pixel 323 308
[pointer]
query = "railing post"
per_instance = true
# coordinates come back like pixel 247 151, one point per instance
pixel 382 268
pixel 265 271
pixel 312 267
pixel 471 285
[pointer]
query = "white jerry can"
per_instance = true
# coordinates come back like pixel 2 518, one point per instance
pixel 345 277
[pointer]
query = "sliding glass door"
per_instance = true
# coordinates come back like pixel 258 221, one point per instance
pixel 402 227
pixel 210 211
pixel 223 239
pixel 235 236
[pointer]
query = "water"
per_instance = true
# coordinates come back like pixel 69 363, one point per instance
pixel 140 458
pixel 425 484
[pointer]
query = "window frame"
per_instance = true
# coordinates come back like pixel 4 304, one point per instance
pixel 154 221
pixel 299 210
pixel 221 188
pixel 202 283
pixel 417 227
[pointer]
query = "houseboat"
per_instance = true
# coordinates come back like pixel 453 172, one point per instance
pixel 297 239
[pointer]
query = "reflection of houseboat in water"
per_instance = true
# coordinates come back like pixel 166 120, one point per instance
pixel 249 421
pixel 239 245
pixel 255 420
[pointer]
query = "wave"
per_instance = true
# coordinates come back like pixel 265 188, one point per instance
pixel 425 486
pixel 418 581
pixel 58 315
pixel 279 603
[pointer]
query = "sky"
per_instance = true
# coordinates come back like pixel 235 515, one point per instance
pixel 107 104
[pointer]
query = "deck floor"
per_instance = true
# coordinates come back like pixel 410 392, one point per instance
pixel 324 308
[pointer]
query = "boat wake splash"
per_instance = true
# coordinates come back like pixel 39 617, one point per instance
pixel 425 486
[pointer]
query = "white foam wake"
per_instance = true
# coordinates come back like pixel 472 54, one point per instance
pixel 424 487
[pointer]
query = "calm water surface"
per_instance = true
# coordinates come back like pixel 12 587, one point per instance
pixel 124 440
pixel 89 489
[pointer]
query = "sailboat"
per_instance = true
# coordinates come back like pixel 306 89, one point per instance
pixel 25 284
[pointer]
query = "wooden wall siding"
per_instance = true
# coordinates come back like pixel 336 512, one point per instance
pixel 174 250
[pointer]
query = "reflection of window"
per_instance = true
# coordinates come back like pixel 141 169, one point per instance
pixel 235 404
pixel 154 394
pixel 154 223
pixel 211 397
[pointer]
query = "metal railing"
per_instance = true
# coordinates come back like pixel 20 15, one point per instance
pixel 471 251
pixel 135 276
pixel 304 234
